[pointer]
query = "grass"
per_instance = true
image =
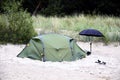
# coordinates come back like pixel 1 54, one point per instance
pixel 72 25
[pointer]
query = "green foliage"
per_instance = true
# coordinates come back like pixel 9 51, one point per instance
pixel 72 25
pixel 9 6
pixel 15 26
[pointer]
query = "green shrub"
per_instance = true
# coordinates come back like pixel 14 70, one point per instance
pixel 16 27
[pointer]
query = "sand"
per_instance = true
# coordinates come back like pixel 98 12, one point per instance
pixel 14 68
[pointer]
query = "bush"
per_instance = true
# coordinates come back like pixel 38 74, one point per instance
pixel 16 28
pixel 16 24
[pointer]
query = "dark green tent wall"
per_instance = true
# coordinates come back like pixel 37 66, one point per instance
pixel 52 47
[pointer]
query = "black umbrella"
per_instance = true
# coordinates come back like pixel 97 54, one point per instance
pixel 93 33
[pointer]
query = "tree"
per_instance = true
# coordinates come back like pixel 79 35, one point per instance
pixel 70 7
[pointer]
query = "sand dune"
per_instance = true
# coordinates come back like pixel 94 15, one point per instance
pixel 13 68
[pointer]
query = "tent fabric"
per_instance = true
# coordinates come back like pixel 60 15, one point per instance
pixel 52 47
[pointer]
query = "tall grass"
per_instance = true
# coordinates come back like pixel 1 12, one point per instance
pixel 72 25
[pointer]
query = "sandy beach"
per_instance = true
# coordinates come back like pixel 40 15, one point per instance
pixel 14 68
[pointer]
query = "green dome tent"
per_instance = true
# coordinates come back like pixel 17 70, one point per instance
pixel 52 47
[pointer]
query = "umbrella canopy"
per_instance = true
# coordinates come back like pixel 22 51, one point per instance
pixel 93 33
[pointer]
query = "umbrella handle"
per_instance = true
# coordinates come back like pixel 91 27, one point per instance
pixel 91 47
